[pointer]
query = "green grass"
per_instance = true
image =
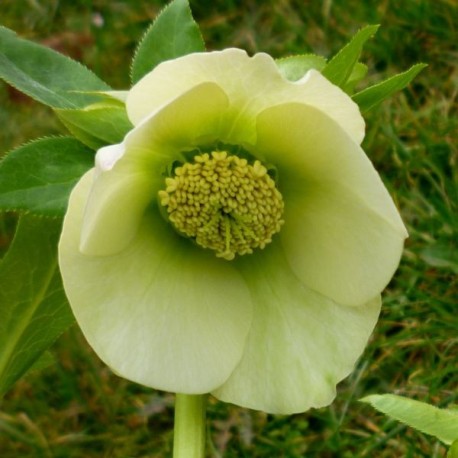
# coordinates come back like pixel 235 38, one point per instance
pixel 78 408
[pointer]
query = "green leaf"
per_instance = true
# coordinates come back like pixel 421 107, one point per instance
pixel 293 68
pixel 440 255
pixel 45 360
pixel 44 74
pixel 441 423
pixel 33 306
pixel 97 125
pixel 358 73
pixel 39 176
pixel 340 67
pixel 453 450
pixel 174 33
pixel 372 96
pixel 113 98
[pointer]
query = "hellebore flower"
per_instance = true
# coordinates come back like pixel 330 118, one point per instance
pixel 237 241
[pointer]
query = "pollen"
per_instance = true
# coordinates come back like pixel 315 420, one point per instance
pixel 224 203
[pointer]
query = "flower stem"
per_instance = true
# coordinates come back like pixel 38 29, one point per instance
pixel 189 431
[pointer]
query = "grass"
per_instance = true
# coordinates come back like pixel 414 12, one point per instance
pixel 78 408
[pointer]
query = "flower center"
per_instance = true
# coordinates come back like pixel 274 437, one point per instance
pixel 224 203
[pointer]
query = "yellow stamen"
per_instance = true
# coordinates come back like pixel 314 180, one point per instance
pixel 224 203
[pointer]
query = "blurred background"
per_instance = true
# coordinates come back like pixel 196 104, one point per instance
pixel 77 408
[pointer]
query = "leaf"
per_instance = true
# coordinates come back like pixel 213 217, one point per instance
pixel 340 67
pixel 358 73
pixel 293 68
pixel 45 360
pixel 39 176
pixel 453 450
pixel 98 124
pixel 174 33
pixel 113 96
pixel 33 306
pixel 374 95
pixel 44 74
pixel 83 136
pixel 440 255
pixel 441 423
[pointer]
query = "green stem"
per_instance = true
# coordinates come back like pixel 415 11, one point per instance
pixel 189 430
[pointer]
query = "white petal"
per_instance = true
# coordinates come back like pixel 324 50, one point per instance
pixel 107 156
pixel 115 207
pixel 251 83
pixel 343 235
pixel 191 119
pixel 301 344
pixel 334 102
pixel 163 312
pixel 130 175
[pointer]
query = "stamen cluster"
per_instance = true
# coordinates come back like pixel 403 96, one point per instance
pixel 224 203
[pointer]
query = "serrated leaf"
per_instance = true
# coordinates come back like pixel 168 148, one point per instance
pixel 293 68
pixel 441 423
pixel 358 73
pixel 453 450
pixel 440 255
pixel 340 67
pixel 115 98
pixel 174 33
pixel 33 306
pixel 45 360
pixel 39 176
pixel 374 95
pixel 45 75
pixel 97 125
pixel 83 136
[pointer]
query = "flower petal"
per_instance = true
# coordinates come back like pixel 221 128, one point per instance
pixel 163 312
pixel 115 207
pixel 107 156
pixel 193 118
pixel 129 175
pixel 251 83
pixel 301 344
pixel 331 100
pixel 343 235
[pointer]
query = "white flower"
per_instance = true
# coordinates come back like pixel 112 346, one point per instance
pixel 273 330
